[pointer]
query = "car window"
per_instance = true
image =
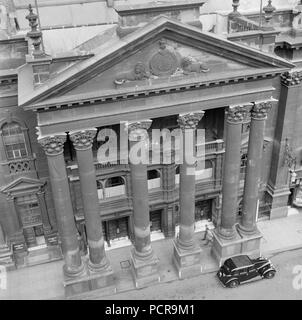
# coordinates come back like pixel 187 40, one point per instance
pixel 244 270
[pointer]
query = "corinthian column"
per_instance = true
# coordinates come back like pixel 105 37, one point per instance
pixel 235 117
pixel 187 123
pixel 144 261
pixel 53 147
pixel 82 142
pixel 226 240
pixel 253 168
pixel 187 257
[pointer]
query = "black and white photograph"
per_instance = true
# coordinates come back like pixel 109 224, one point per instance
pixel 150 153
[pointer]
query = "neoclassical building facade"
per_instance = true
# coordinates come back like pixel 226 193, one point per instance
pixel 155 68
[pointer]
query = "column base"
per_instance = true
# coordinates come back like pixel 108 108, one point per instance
pixel 145 271
pixel 89 281
pixel 187 262
pixel 250 243
pixel 279 199
pixel 223 249
pixel 280 212
pixel 6 258
pixel 243 244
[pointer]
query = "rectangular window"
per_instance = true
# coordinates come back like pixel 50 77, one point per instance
pixel 16 151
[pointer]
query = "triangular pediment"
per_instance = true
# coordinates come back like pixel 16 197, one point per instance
pixel 163 52
pixel 22 184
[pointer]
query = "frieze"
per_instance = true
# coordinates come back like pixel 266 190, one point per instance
pixel 291 78
pixel 189 120
pixel 260 109
pixel 53 145
pixel 165 62
pixel 83 139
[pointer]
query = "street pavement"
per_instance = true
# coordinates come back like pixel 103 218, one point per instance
pixel 280 235
pixel 207 286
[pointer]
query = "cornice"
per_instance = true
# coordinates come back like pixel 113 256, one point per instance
pixel 72 102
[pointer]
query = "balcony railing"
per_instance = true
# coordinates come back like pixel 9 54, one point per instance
pixel 211 147
pixel 242 24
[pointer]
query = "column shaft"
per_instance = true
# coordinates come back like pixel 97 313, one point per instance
pixel 82 141
pixel 253 169
pixel 141 218
pixel 188 123
pixel 231 170
pixel 186 202
pixel 53 146
pixel 139 183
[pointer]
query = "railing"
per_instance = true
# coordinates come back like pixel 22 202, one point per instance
pixel 210 147
pixel 242 24
pixel 154 183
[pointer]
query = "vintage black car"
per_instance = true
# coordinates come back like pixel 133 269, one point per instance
pixel 240 269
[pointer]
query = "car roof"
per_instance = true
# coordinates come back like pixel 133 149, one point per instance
pixel 240 261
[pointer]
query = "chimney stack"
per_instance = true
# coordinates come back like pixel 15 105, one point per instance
pixel 37 58
pixel 135 14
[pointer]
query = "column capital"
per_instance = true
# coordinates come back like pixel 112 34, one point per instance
pixel 83 139
pixel 138 128
pixel 237 113
pixel 189 120
pixel 291 78
pixel 54 144
pixel 260 109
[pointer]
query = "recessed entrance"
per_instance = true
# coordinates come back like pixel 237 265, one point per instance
pixel 156 225
pixel 203 215
pixel 116 232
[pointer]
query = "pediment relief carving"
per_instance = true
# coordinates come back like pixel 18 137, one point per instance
pixel 167 61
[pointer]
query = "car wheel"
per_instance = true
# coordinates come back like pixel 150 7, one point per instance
pixel 269 275
pixel 233 283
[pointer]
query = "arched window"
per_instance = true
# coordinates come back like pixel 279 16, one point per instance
pixel 153 179
pixel 14 141
pixel 115 187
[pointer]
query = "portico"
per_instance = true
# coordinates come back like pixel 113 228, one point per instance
pixel 110 88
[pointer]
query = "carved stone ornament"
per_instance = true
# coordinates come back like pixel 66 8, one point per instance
pixel 164 62
pixel 139 72
pixel 260 109
pixel 189 65
pixel 82 139
pixel 53 145
pixel 237 114
pixel 189 120
pixel 290 159
pixel 138 129
pixel 291 78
